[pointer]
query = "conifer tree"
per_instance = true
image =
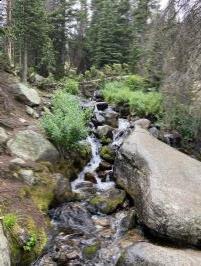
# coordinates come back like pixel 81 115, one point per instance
pixel 31 32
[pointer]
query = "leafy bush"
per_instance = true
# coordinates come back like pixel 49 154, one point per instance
pixel 9 221
pixel 69 85
pixel 136 82
pixel 140 102
pixel 65 125
pixel 30 243
pixel 182 119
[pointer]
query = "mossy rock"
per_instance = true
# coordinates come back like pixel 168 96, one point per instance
pixel 108 201
pixel 26 240
pixel 105 140
pixel 90 251
pixel 107 154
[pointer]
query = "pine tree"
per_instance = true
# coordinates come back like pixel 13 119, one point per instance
pixel 31 31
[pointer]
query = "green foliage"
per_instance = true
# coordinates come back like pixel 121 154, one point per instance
pixel 136 82
pixel 141 103
pixel 30 243
pixel 182 119
pixel 9 221
pixel 65 125
pixel 69 85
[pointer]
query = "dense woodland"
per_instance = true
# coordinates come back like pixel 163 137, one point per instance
pixel 88 39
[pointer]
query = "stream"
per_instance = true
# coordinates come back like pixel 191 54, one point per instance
pixel 94 234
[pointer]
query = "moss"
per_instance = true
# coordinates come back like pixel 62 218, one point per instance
pixel 107 204
pixel 107 154
pixel 104 140
pixel 90 251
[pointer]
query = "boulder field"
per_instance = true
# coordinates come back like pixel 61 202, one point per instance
pixel 165 185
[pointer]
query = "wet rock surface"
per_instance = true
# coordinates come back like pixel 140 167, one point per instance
pixel 165 185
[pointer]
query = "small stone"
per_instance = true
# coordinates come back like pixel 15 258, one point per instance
pixel 30 111
pixel 102 106
pixel 105 131
pixel 108 201
pixel 142 123
pixel 104 166
pixel 90 177
pixel 27 176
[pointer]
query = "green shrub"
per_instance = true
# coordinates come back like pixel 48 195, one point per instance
pixel 136 82
pixel 69 85
pixel 65 125
pixel 9 221
pixel 182 119
pixel 141 103
pixel 30 243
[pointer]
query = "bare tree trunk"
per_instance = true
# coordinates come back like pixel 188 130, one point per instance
pixel 25 63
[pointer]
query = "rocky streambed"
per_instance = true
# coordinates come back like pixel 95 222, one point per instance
pixel 144 209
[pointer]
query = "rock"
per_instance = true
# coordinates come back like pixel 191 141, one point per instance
pixel 165 185
pixel 142 123
pixel 30 145
pixel 27 95
pixel 104 166
pixel 27 176
pixel 30 111
pixel 63 191
pixel 74 218
pixel 98 95
pixel 154 132
pixel 101 106
pixel 98 119
pixel 3 136
pixel 17 162
pixel 90 177
pixel 105 131
pixel 46 260
pixel 147 254
pixel 36 78
pixel 4 249
pixel 111 117
pixel 108 201
pixel 173 139
pixel 107 154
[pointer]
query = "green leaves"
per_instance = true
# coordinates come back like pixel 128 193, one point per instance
pixel 66 124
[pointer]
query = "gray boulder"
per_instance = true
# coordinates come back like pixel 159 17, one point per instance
pixel 105 131
pixel 111 117
pixel 27 95
pixel 146 254
pixel 165 185
pixel 4 249
pixel 30 145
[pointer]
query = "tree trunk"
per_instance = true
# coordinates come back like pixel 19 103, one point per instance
pixel 25 63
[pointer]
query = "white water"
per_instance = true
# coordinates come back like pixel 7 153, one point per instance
pixel 92 166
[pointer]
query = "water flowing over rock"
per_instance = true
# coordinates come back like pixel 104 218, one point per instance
pixel 146 254
pixel 4 249
pixel 165 185
pixel 30 145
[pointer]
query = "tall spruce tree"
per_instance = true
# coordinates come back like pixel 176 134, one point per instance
pixel 31 32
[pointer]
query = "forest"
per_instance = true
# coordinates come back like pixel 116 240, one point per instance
pixel 100 132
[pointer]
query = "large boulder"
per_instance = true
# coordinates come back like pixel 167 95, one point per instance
pixel 27 95
pixel 165 185
pixel 146 254
pixel 30 145
pixel 4 249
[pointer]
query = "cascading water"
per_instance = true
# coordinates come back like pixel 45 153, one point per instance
pixel 92 166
